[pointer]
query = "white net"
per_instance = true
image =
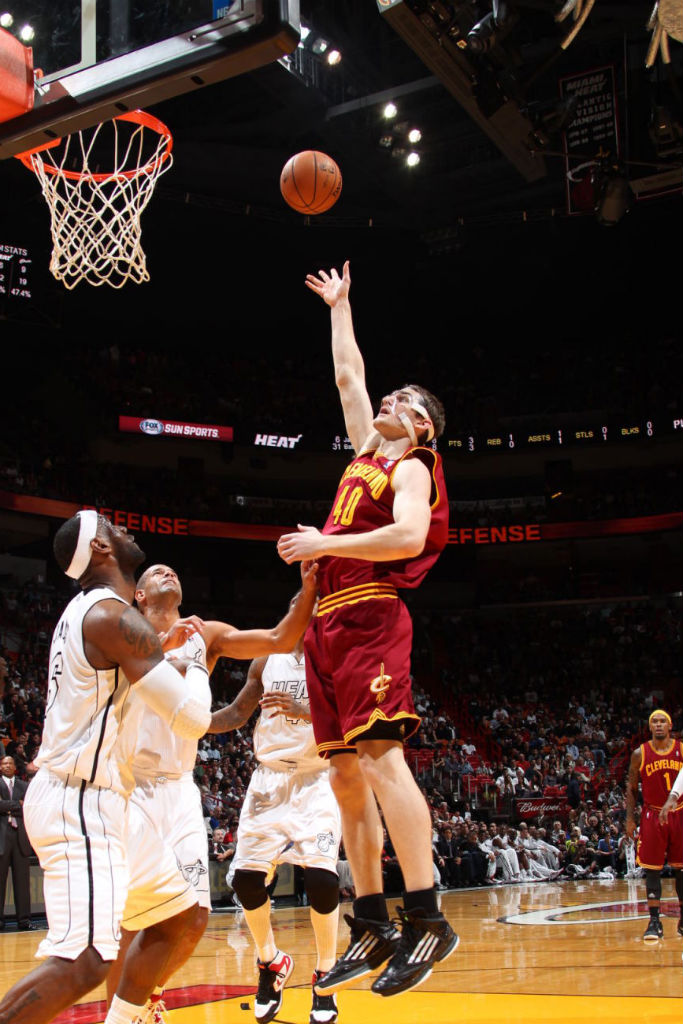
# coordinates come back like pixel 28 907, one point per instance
pixel 95 214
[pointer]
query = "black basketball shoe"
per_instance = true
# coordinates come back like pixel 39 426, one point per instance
pixel 372 942
pixel 680 926
pixel 324 1008
pixel 425 941
pixel 272 979
pixel 654 931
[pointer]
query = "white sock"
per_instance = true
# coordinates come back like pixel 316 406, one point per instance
pixel 325 931
pixel 121 1012
pixel 261 931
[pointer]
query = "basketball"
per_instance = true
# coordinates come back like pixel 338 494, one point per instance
pixel 310 182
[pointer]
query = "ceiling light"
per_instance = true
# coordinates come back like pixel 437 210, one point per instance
pixel 386 141
pixel 305 33
pixel 6 20
pixel 390 110
pixel 320 45
pixel 414 135
pixel 333 57
pixel 413 159
pixel 27 33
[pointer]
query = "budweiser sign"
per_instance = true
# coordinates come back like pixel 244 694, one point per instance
pixel 533 807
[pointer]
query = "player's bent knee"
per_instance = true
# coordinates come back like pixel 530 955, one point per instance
pixel 322 889
pixel 250 887
pixel 88 970
pixel 653 884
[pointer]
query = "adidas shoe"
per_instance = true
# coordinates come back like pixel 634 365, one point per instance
pixel 324 1008
pixel 272 980
pixel 654 931
pixel 372 942
pixel 425 940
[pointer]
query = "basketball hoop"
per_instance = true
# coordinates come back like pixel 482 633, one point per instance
pixel 95 215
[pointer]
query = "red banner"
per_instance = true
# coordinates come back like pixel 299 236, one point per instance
pixel 171 428
pixel 179 526
pixel 528 807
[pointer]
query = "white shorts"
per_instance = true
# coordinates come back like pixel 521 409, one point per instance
pixel 288 818
pixel 175 808
pixel 158 887
pixel 78 833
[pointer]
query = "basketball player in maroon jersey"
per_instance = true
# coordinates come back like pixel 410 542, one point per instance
pixel 387 527
pixel 656 765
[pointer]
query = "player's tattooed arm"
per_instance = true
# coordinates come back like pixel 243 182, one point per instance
pixel 632 792
pixel 245 703
pixel 116 634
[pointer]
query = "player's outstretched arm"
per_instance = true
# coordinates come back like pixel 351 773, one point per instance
pixel 672 800
pixel 226 641
pixel 234 715
pixel 349 368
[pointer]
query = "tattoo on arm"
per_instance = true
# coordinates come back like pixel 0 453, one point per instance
pixel 139 636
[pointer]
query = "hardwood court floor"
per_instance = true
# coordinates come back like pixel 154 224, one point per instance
pixel 570 952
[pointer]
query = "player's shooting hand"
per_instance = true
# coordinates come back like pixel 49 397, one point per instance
pixel 180 631
pixel 301 546
pixel 331 287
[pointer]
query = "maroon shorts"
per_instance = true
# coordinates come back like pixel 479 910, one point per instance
pixel 657 843
pixel 358 673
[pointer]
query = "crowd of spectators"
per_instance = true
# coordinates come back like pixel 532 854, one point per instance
pixel 517 706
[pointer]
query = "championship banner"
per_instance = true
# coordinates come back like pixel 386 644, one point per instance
pixel 179 526
pixel 593 134
pixel 532 807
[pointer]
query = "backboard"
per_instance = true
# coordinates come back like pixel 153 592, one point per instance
pixel 100 58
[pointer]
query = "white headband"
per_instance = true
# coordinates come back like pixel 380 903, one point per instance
pixel 408 423
pixel 87 528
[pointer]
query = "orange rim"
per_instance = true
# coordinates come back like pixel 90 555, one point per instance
pixel 140 117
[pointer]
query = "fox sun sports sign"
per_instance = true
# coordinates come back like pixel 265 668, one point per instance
pixel 175 428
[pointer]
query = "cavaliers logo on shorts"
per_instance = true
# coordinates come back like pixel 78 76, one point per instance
pixel 380 685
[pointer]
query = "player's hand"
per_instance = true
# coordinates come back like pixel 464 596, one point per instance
pixel 301 546
pixel 282 703
pixel 331 287
pixel 180 631
pixel 669 806
pixel 309 574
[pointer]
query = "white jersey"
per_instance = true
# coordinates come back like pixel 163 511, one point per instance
pixel 85 705
pixel 280 742
pixel 154 749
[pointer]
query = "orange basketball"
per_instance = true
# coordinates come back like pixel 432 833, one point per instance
pixel 310 182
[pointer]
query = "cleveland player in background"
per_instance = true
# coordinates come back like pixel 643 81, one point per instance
pixel 656 765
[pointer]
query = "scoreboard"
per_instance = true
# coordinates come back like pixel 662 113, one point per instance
pixel 15 275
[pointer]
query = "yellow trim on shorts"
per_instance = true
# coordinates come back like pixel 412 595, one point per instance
pixel 379 716
pixel 352 595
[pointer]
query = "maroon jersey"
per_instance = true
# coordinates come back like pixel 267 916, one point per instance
pixel 658 771
pixel 364 502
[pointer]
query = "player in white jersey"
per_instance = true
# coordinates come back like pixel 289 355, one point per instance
pixel 165 795
pixel 75 807
pixel 290 815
